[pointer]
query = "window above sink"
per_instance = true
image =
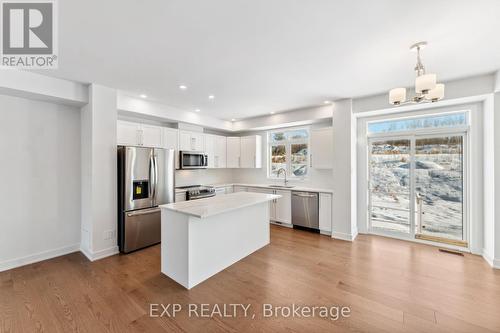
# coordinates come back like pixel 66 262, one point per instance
pixel 288 150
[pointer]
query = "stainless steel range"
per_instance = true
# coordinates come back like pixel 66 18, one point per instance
pixel 194 192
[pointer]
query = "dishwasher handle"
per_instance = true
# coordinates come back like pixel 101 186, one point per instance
pixel 304 195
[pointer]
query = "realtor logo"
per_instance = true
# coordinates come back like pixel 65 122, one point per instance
pixel 29 34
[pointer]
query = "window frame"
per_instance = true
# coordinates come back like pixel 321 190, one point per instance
pixel 288 151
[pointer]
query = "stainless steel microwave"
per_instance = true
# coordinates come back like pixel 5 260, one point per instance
pixel 193 160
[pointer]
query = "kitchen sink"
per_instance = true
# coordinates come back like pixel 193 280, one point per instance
pixel 282 186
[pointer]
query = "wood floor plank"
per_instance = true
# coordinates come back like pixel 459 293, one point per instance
pixel 389 285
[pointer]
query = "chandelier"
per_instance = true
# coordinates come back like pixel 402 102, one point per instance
pixel 426 88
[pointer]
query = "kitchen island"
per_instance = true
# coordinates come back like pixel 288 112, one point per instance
pixel 200 238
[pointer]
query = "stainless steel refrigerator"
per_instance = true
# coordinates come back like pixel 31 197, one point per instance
pixel 146 179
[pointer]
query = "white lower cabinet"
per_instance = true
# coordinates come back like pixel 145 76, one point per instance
pixel 325 213
pixel 283 207
pixel 280 210
pixel 223 189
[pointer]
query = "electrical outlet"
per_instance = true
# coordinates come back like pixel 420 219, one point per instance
pixel 109 234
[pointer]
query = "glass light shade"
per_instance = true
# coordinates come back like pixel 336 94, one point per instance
pixel 424 83
pixel 397 95
pixel 437 93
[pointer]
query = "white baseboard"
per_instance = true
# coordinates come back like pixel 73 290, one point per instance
pixel 495 263
pixel 344 236
pixel 93 256
pixel 18 262
pixel 286 225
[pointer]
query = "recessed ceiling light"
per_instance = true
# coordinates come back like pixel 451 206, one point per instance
pixel 211 96
pixel 143 96
pixel 272 112
pixel 326 102
pixel 182 87
pixel 233 119
pixel 197 110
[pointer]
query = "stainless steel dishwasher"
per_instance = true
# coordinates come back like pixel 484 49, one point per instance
pixel 305 209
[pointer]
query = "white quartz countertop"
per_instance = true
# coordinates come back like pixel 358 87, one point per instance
pixel 203 208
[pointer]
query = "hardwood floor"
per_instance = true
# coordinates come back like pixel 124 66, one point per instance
pixel 390 286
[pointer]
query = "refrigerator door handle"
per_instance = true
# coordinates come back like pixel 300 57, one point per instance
pixel 151 176
pixel 155 161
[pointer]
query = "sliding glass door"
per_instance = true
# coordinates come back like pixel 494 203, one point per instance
pixel 390 185
pixel 417 187
pixel 439 188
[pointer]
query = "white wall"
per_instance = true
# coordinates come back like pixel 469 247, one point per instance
pixel 490 210
pixel 99 173
pixel 40 168
pixel 316 178
pixel 344 172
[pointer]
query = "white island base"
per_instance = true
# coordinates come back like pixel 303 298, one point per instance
pixel 200 238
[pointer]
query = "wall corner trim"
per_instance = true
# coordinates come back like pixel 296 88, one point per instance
pixel 343 236
pixel 493 262
pixel 101 254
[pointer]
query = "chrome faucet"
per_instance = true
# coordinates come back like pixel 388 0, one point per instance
pixel 284 172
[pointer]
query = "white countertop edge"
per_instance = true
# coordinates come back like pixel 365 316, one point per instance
pixel 190 207
pixel 294 188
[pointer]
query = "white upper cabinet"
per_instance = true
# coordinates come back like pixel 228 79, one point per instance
pixel 191 141
pixel 128 133
pixel 170 138
pixel 220 152
pixel 233 145
pixel 152 136
pixel 137 134
pixel 171 141
pixel 210 149
pixel 215 148
pixel 322 148
pixel 251 151
pixel 325 213
pixel 223 152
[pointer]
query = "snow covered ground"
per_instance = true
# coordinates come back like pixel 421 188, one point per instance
pixel 438 182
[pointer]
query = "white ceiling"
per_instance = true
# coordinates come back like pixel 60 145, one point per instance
pixel 270 55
